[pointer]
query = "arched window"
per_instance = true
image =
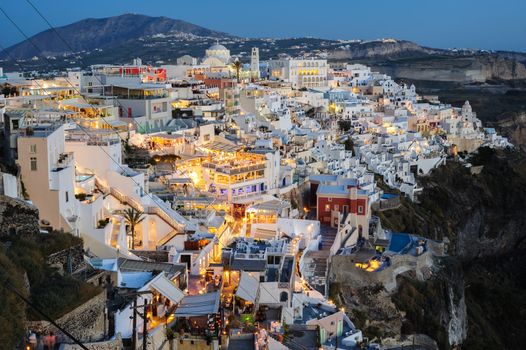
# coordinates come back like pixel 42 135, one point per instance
pixel 283 297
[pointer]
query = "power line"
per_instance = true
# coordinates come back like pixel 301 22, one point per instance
pixel 67 44
pixel 23 33
pixel 77 91
pixel 102 148
pixel 8 286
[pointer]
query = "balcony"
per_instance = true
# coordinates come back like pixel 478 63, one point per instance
pixel 232 169
pixel 65 160
pixel 250 256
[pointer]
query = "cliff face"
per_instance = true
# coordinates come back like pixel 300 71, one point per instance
pixel 514 127
pixel 383 49
pixel 481 283
pixel 479 215
pixel 436 307
pixel 479 68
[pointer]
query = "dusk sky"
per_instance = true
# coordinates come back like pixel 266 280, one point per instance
pixel 484 24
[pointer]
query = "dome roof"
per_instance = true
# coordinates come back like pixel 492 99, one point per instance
pixel 218 47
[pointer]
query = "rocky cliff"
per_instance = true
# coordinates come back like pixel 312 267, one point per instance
pixel 475 295
pixel 467 69
pixel 384 49
pixel 481 217
pixel 17 217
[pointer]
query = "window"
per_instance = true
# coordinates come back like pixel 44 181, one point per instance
pixel 329 199
pixel 32 148
pixel 327 207
pixel 33 164
pixel 67 196
pixel 360 209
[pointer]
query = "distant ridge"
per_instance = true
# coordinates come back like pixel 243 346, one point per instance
pixel 93 33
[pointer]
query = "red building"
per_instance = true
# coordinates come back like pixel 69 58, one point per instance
pixel 333 200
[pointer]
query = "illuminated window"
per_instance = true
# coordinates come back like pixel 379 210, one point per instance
pixel 327 207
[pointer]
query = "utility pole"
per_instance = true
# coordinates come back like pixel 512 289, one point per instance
pixel 134 317
pixel 144 325
pixel 134 327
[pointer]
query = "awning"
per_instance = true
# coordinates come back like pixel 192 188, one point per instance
pixel 165 287
pixel 198 305
pixel 248 287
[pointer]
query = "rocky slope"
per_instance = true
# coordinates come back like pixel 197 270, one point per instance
pixel 24 253
pixel 389 48
pixel 463 69
pixel 475 295
pixel 482 218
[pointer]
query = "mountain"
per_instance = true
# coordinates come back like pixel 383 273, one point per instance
pixel 161 40
pixel 100 33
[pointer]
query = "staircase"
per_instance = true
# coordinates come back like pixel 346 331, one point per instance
pixel 264 234
pixel 317 262
pixel 157 210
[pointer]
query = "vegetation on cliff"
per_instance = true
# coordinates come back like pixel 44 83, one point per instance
pixel 23 266
pixel 482 218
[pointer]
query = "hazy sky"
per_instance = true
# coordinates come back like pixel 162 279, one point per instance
pixel 484 24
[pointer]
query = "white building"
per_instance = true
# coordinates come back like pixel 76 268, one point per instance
pixel 301 73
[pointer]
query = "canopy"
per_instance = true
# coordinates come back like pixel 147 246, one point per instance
pixel 165 287
pixel 198 305
pixel 248 287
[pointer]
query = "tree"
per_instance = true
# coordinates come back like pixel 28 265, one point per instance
pixel 237 65
pixel 133 218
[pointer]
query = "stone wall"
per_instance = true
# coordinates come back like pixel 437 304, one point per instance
pixel 343 268
pixel 153 255
pixel 113 344
pixel 72 257
pixel 17 217
pixel 87 322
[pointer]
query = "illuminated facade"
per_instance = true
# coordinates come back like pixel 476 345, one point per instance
pixel 300 73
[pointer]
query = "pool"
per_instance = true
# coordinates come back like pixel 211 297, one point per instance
pixel 82 178
pixel 400 242
pixel 388 195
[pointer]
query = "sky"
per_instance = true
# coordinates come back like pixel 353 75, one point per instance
pixel 481 24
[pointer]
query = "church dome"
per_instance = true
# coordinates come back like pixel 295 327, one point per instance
pixel 218 47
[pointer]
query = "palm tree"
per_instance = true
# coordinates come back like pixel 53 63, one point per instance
pixel 237 65
pixel 133 218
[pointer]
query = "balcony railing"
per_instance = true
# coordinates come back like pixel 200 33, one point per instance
pixel 251 256
pixel 233 170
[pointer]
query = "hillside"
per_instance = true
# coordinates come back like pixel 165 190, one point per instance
pixel 24 266
pixel 160 40
pixel 482 218
pixel 100 33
